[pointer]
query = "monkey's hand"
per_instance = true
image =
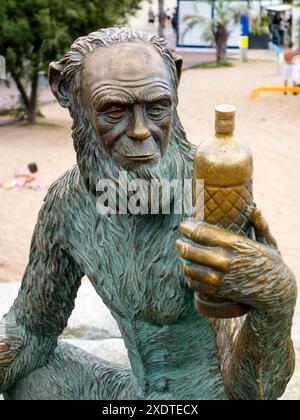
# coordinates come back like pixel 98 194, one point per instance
pixel 260 360
pixel 225 265
pixel 12 341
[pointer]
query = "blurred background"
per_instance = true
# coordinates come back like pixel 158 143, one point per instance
pixel 34 129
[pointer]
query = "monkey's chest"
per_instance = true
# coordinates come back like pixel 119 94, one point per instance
pixel 136 271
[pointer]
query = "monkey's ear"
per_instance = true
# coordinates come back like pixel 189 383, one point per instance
pixel 178 62
pixel 57 84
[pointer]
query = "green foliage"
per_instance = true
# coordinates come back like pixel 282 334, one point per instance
pixel 260 25
pixel 35 32
pixel 210 66
pixel 298 33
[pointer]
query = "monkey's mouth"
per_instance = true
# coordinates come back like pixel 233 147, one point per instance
pixel 140 158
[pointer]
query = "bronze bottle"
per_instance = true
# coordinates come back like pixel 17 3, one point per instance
pixel 225 163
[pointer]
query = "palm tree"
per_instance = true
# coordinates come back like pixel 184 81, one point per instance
pixel 218 28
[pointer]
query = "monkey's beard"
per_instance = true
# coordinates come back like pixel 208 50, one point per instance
pixel 96 164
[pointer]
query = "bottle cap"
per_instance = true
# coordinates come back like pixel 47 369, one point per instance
pixel 225 119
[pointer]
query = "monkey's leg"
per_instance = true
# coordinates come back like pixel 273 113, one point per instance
pixel 73 374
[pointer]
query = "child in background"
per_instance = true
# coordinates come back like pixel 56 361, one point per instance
pixel 25 179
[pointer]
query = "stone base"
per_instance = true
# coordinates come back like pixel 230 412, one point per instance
pixel 93 329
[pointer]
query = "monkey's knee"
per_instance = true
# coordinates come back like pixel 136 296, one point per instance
pixel 72 374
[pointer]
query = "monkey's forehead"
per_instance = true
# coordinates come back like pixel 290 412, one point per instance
pixel 124 62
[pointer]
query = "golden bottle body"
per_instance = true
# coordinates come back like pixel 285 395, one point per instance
pixel 225 164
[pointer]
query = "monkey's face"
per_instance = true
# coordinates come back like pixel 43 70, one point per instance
pixel 127 94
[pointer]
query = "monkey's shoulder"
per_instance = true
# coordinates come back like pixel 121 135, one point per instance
pixel 67 193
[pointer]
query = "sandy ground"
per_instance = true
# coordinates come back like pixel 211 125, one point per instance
pixel 50 145
pixel 271 125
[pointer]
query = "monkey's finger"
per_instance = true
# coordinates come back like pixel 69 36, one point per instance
pixel 261 228
pixel 214 258
pixel 201 273
pixel 209 235
pixel 203 288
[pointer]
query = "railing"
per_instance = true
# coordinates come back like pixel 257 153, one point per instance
pixel 255 93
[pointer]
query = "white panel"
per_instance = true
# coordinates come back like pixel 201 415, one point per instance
pixel 193 37
pixel 296 18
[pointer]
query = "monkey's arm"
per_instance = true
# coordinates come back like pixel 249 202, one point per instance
pixel 256 354
pixel 260 360
pixel 28 333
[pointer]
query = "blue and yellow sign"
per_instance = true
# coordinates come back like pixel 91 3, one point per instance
pixel 244 35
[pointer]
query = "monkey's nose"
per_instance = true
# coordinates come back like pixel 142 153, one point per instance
pixel 138 129
pixel 139 133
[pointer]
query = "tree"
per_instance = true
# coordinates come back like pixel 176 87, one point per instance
pixel 35 32
pixel 298 34
pixel 216 29
pixel 161 18
pixel 297 4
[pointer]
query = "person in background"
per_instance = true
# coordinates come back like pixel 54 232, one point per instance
pixel 275 30
pixel 162 19
pixel 290 71
pixel 175 20
pixel 151 17
pixel 24 179
pixel 282 28
pixel 169 14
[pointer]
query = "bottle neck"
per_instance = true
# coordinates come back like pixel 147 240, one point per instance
pixel 225 127
pixel 225 120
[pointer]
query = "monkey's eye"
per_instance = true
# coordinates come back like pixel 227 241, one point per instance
pixel 157 110
pixel 113 112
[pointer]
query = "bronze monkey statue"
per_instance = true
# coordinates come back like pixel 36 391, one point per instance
pixel 120 86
